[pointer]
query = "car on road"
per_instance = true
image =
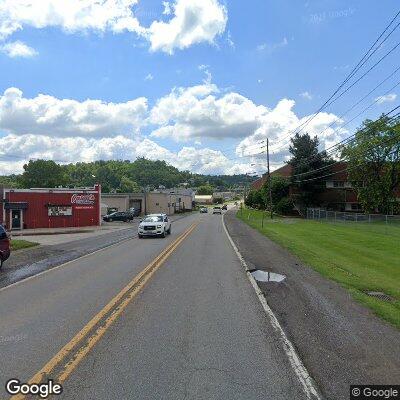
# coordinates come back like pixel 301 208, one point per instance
pixel 155 225
pixel 5 247
pixel 217 210
pixel 225 207
pixel 119 216
pixel 203 210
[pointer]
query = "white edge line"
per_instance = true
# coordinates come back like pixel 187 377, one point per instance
pixel 300 370
pixel 64 264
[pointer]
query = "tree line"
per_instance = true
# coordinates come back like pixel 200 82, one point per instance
pixel 116 176
pixel 372 165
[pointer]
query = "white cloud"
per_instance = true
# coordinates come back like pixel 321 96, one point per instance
pixel 191 22
pixel 278 125
pixel 201 111
pixel 194 21
pixel 167 8
pixel 72 150
pixel 18 49
pixel 230 41
pixel 271 47
pixel 149 77
pixel 306 95
pixel 71 16
pixel 388 98
pixel 47 115
pixel 72 131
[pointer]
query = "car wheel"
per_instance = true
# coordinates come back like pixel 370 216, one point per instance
pixel 1 263
pixel 169 230
pixel 140 236
pixel 164 234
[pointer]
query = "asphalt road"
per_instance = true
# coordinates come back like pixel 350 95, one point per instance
pixel 194 330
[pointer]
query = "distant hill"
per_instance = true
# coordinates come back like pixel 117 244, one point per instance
pixel 117 176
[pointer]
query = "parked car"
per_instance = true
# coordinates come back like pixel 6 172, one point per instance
pixel 217 210
pixel 155 225
pixel 203 210
pixel 5 249
pixel 134 211
pixel 225 207
pixel 118 216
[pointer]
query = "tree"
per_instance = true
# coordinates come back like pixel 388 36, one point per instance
pixel 374 164
pixel 205 190
pixel 127 185
pixel 306 158
pixel 255 199
pixel 43 173
pixel 282 203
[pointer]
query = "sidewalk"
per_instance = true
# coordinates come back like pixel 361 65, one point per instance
pixel 65 235
pixel 61 231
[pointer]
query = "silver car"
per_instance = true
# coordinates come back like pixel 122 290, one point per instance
pixel 154 225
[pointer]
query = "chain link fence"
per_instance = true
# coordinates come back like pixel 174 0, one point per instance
pixel 370 221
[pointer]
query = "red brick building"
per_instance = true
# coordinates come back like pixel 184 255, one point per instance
pixel 338 195
pixel 50 208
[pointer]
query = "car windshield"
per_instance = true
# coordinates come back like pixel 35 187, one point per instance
pixel 153 219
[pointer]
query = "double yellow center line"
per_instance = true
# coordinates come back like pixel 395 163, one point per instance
pixel 67 359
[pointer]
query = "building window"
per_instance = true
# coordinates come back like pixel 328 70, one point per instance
pixel 60 211
pixel 355 206
pixel 157 204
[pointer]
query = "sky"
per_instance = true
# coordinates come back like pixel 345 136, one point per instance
pixel 200 84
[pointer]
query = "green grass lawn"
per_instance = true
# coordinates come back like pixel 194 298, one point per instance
pixel 17 244
pixel 360 257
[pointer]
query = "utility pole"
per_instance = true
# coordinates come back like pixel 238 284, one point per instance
pixel 269 180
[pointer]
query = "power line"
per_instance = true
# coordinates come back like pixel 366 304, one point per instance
pixel 348 139
pixel 363 60
pixel 360 64
pixel 340 161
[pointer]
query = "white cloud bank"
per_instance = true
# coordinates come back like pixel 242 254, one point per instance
pixel 201 111
pixel 191 21
pixel 47 115
pixel 69 131
pixel 17 150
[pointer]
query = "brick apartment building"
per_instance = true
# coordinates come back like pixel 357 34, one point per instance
pixel 338 194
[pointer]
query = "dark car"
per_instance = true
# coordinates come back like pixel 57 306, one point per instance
pixel 135 211
pixel 119 216
pixel 225 207
pixel 4 245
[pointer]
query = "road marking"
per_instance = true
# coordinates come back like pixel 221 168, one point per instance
pixel 299 368
pixel 103 320
pixel 79 258
pixel 66 263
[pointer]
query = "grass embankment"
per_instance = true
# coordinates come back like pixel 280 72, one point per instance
pixel 360 257
pixel 17 244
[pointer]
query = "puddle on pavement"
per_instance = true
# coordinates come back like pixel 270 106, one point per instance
pixel 266 276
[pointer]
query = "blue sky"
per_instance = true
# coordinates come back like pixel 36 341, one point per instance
pixel 199 83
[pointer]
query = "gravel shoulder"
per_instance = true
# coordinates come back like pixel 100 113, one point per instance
pixel 340 341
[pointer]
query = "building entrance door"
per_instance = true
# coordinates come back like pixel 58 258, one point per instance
pixel 16 219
